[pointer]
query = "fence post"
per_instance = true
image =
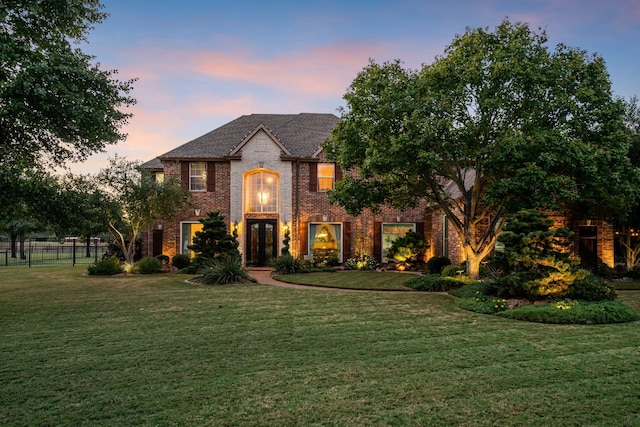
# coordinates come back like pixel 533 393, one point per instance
pixel 29 253
pixel 96 249
pixel 74 252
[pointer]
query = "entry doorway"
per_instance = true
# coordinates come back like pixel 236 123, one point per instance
pixel 261 244
pixel 588 246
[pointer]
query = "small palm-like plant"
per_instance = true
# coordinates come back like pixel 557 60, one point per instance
pixel 223 272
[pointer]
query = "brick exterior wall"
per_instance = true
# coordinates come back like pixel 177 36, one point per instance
pixel 301 205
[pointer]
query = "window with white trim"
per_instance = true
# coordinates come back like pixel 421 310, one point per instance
pixel 392 232
pixel 326 176
pixel 187 231
pixel 325 240
pixel 198 176
pixel 261 192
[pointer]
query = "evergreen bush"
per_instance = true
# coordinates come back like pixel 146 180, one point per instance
pixel 149 265
pixel 105 267
pixel 437 263
pixel 181 261
pixel 435 283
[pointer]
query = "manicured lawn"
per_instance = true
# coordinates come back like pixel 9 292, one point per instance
pixel 154 350
pixel 366 280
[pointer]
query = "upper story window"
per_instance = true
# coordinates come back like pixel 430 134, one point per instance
pixel 261 192
pixel 326 176
pixel 198 176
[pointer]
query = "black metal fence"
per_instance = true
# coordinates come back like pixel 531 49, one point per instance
pixel 37 253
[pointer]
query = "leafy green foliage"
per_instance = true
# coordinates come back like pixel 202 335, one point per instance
pixel 437 263
pixel 574 312
pixel 435 283
pixel 409 248
pixel 213 241
pixel 591 288
pixel 536 258
pixel 286 243
pixel 105 267
pixel 453 270
pixel 149 265
pixel 56 104
pixel 137 202
pixel 483 304
pixel 223 271
pixel 362 262
pixel 181 261
pixel 498 123
pixel 287 264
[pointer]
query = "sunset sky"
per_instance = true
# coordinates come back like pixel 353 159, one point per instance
pixel 201 64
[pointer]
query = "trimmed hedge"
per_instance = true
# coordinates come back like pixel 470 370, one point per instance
pixel 573 312
pixel 435 283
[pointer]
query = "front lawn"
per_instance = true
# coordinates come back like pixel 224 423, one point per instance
pixel 155 350
pixel 363 280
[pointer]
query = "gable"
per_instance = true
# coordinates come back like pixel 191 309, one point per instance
pixel 261 141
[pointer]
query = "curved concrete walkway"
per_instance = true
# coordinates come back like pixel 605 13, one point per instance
pixel 263 276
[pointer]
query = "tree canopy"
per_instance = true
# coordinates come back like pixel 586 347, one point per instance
pixel 498 123
pixel 56 103
pixel 137 201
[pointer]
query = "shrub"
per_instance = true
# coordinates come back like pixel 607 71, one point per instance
pixel 180 261
pixel 591 288
pixel 453 270
pixel 287 264
pixel 437 263
pixel 164 259
pixel 105 267
pixel 434 283
pixel 223 271
pixel 410 248
pixel 149 265
pixel 574 312
pixel 483 304
pixel 473 289
pixel 363 262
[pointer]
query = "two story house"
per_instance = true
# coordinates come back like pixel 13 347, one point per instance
pixel 267 174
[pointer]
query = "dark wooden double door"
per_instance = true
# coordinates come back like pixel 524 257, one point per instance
pixel 262 242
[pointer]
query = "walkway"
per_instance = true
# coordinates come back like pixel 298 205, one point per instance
pixel 263 276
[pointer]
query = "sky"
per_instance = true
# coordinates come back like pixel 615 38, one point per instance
pixel 202 63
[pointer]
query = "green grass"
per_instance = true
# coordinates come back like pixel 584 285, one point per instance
pixel 363 280
pixel 154 350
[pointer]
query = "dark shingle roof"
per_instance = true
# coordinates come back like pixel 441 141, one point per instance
pixel 152 164
pixel 301 134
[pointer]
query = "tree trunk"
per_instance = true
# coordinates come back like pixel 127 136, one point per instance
pixel 23 254
pixel 14 246
pixel 473 264
pixel 89 246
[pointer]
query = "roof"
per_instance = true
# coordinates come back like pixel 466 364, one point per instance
pixel 300 134
pixel 152 164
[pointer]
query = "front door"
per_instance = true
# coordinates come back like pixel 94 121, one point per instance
pixel 588 246
pixel 261 242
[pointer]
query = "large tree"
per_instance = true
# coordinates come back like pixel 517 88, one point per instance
pixel 56 104
pixel 628 226
pixel 136 201
pixel 498 123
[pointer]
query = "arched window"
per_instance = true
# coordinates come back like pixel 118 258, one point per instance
pixel 261 192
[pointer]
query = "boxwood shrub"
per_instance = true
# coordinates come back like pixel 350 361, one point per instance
pixel 573 312
pixel 435 283
pixel 105 267
pixel 149 265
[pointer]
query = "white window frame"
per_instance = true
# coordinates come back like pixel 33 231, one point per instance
pixel 407 224
pixel 332 177
pixel 200 175
pixel 311 237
